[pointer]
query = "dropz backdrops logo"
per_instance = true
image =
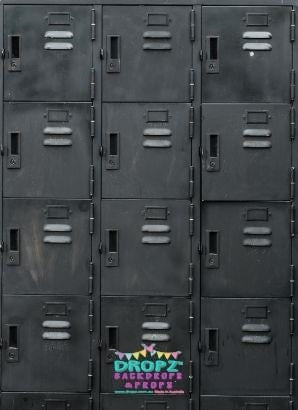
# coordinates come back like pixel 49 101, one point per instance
pixel 148 371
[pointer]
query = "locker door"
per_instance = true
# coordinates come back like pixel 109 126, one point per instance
pixel 148 53
pixel 37 401
pixel 147 151
pixel 46 343
pixel 247 54
pixel 48 150
pixel 115 402
pixel 244 403
pixel 47 246
pixel 246 249
pixel 246 152
pixel 246 346
pixel 145 335
pixel 146 247
pixel 48 50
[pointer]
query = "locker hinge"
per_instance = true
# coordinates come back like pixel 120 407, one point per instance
pixel 291 405
pixel 292 280
pixel 292 183
pixel 191 317
pixel 292 220
pixel 90 403
pixel 293 25
pixel 292 378
pixel 191 84
pixel 191 121
pixel 91 181
pixel 292 319
pixel 91 315
pixel 191 219
pixel 293 85
pixel 292 123
pixel 190 278
pixel 92 84
pixel 190 404
pixel 192 25
pixel 190 376
pixel 191 181
pixel 93 24
pixel 92 121
pixel 90 374
pixel 91 277
pixel 91 219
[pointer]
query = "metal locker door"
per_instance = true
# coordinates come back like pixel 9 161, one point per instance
pixel 147 151
pixel 247 54
pixel 246 347
pixel 149 336
pixel 244 403
pixel 38 401
pixel 148 53
pixel 46 343
pixel 47 50
pixel 47 246
pixel 48 150
pixel 146 247
pixel 172 402
pixel 246 152
pixel 246 249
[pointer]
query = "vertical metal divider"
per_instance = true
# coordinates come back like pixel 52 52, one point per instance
pixel 292 266
pixel 1 215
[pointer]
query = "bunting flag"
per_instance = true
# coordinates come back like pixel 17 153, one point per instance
pixel 148 349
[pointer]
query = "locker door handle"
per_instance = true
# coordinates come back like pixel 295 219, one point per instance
pixel 14 50
pixel 12 354
pixel 211 352
pixel 213 156
pixel 113 54
pixel 112 251
pixel 13 252
pixel 212 62
pixel 14 150
pixel 113 157
pixel 112 338
pixel 212 249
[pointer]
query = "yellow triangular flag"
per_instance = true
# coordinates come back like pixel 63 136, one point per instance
pixel 143 353
pixel 167 355
pixel 159 354
pixel 136 355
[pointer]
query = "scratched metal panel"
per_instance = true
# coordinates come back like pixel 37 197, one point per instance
pixel 49 50
pixel 147 150
pixel 156 324
pixel 246 347
pixel 238 68
pixel 48 246
pixel 246 249
pixel 45 357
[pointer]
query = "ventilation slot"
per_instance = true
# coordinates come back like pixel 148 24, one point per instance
pixel 56 136
pixel 58 35
pixel 156 332
pixel 54 331
pixel 57 238
pixel 254 239
pixel 257 35
pixel 257 138
pixel 157 138
pixel 155 238
pixel 157 40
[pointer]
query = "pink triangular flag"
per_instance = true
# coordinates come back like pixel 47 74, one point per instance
pixel 175 355
pixel 120 355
